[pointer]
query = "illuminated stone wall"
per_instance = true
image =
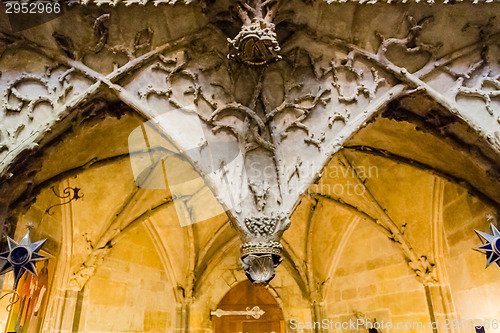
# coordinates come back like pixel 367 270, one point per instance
pixel 372 282
pixel 129 291
pixel 471 285
pixel 406 92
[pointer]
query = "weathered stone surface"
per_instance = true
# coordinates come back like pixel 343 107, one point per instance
pixel 371 134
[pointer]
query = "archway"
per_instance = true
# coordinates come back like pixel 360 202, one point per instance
pixel 246 295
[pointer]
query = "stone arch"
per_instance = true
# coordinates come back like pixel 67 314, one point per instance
pixel 317 130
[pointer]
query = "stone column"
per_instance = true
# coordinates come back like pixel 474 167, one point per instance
pixel 183 317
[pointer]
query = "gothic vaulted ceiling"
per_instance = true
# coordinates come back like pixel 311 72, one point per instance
pixel 361 114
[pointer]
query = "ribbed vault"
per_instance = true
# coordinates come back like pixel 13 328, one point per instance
pixel 385 137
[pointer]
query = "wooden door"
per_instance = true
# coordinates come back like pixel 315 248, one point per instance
pixel 246 295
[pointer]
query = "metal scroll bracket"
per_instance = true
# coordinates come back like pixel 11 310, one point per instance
pixel 254 312
pixel 12 300
pixel 69 193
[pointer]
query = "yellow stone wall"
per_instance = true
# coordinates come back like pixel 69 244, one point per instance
pixel 373 281
pixel 475 289
pixel 129 291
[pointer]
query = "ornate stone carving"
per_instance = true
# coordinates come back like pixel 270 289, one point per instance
pixel 323 91
pixel 261 225
pixel 260 268
pixel 256 44
pixel 260 192
pixel 80 278
pixel 261 248
pixel 479 80
pixel 425 271
pixel 114 3
pixel 261 253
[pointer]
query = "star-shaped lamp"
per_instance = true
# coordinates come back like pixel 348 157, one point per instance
pixel 21 257
pixel 492 246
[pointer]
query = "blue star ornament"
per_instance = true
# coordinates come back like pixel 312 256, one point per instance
pixel 21 257
pixel 492 246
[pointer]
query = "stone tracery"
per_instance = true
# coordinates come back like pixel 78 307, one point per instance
pixel 310 82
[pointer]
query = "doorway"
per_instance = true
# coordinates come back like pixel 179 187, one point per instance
pixel 246 295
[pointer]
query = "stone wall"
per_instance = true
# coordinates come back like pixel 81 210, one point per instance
pixel 130 291
pixel 373 282
pixel 410 89
pixel 473 288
